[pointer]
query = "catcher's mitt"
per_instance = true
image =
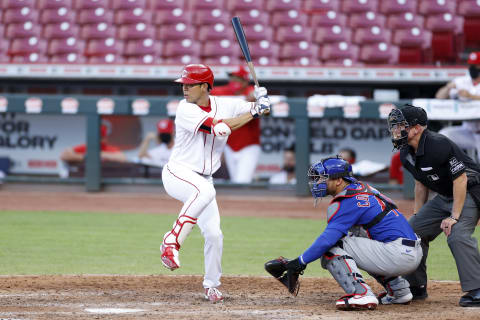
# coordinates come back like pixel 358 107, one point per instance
pixel 287 272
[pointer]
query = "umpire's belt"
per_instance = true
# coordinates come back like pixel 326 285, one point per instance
pixel 409 243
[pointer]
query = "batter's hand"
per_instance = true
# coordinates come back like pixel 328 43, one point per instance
pixel 259 92
pixel 447 225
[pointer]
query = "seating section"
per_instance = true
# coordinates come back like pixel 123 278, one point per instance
pixel 280 32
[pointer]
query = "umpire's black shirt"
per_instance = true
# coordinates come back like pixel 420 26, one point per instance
pixel 438 162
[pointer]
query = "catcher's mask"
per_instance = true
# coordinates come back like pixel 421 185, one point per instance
pixel 328 168
pixel 401 120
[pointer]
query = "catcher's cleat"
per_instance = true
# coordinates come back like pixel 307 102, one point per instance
pixel 170 257
pixel 213 295
pixel 357 302
pixel 385 298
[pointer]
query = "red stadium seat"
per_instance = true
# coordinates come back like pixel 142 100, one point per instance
pixel 288 18
pixel 276 5
pixel 204 4
pixel 294 33
pixel 397 6
pixel 302 61
pixel 379 53
pixel 172 16
pixel 128 4
pixel 371 35
pixel 234 5
pixel 108 58
pixel 19 15
pixel 328 19
pixel 178 31
pixel 182 59
pixel 90 4
pixel 252 17
pixel 292 51
pixel 446 36
pixel 338 52
pixel 349 63
pixel 218 48
pixel 133 16
pixel 54 4
pixel 210 16
pixel 331 34
pixel 136 31
pixel 144 59
pixel 406 20
pixel 264 48
pixel 165 4
pixel 222 60
pixel 265 61
pixel 470 10
pixel 366 19
pixel 319 6
pixel 258 32
pixel 57 15
pixel 61 30
pixel 358 6
pixel 9 4
pixel 215 32
pixel 413 44
pixel 65 46
pixel 142 48
pixel 180 48
pixel 3 44
pixel 103 47
pixel 25 46
pixel 97 31
pixel 429 7
pixel 444 23
pixel 33 57
pixel 4 58
pixel 68 58
pixel 95 16
pixel 22 30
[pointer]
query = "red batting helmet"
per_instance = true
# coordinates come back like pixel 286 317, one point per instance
pixel 196 73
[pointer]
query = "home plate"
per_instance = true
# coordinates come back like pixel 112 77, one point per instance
pixel 112 310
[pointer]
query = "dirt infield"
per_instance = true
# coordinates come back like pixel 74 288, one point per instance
pixel 180 297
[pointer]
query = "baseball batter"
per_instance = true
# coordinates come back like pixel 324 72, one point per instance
pixel 202 126
pixel 365 231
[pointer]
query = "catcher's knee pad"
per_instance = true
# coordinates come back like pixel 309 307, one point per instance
pixel 345 271
pixel 181 228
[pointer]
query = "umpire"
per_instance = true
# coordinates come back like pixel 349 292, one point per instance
pixel 438 164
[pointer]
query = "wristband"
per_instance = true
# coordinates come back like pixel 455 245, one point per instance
pixel 453 218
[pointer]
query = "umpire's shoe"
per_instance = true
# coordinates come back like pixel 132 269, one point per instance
pixel 471 299
pixel 419 292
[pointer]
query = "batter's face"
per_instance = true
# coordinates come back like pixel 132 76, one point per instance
pixel 194 92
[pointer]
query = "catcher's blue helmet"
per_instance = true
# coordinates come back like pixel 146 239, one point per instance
pixel 328 168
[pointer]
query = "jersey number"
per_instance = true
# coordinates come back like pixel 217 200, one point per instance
pixel 362 201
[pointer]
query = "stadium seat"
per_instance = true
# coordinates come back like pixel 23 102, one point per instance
pixel 10 4
pixel 65 46
pixel 301 62
pixel 22 30
pixel 4 58
pixel 127 4
pixel 54 4
pixel 179 48
pixel 222 60
pixel 136 31
pixel 470 10
pixel 264 48
pixel 293 51
pixel 68 58
pixel 210 16
pixel 288 18
pixel 60 30
pixel 3 42
pixel 338 52
pixel 90 4
pixel 133 16
pixel 259 32
pixel 319 6
pixel 429 7
pixel 331 34
pixel 108 58
pixel 178 31
pixel 358 6
pixel 57 15
pixel 446 36
pixel 19 15
pixel 218 48
pixel 389 7
pixel 143 59
pixel 182 59
pixel 95 16
pixel 371 35
pixel 405 20
pixel 252 17
pixel 234 5
pixel 215 32
pixel 195 5
pixel 366 19
pixel 142 47
pixel 165 4
pixel 97 31
pixel 379 53
pixel 102 47
pixel 413 44
pixel 25 46
pixel 280 5
pixel 293 33
pixel 172 16
pixel 327 19
pixel 264 61
pixel 33 57
pixel 343 63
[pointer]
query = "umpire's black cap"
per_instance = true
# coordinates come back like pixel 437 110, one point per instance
pixel 414 115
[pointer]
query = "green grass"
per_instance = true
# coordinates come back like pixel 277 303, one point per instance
pixel 100 243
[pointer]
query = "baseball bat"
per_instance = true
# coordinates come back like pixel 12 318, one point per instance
pixel 242 41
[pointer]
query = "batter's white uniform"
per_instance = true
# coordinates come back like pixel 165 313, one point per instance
pixel 188 177
pixel 466 136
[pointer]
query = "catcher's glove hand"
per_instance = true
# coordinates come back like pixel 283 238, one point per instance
pixel 287 272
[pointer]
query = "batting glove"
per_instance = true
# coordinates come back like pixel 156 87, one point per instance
pixel 261 107
pixel 259 92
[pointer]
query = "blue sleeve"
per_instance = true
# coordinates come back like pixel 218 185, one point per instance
pixel 325 241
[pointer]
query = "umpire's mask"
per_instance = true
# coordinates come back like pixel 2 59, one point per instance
pixel 398 125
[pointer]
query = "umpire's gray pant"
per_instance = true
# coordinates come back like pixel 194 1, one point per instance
pixel 426 224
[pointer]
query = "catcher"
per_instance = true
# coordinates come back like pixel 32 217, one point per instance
pixel 364 231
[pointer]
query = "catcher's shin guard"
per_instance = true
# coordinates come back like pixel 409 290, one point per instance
pixel 397 291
